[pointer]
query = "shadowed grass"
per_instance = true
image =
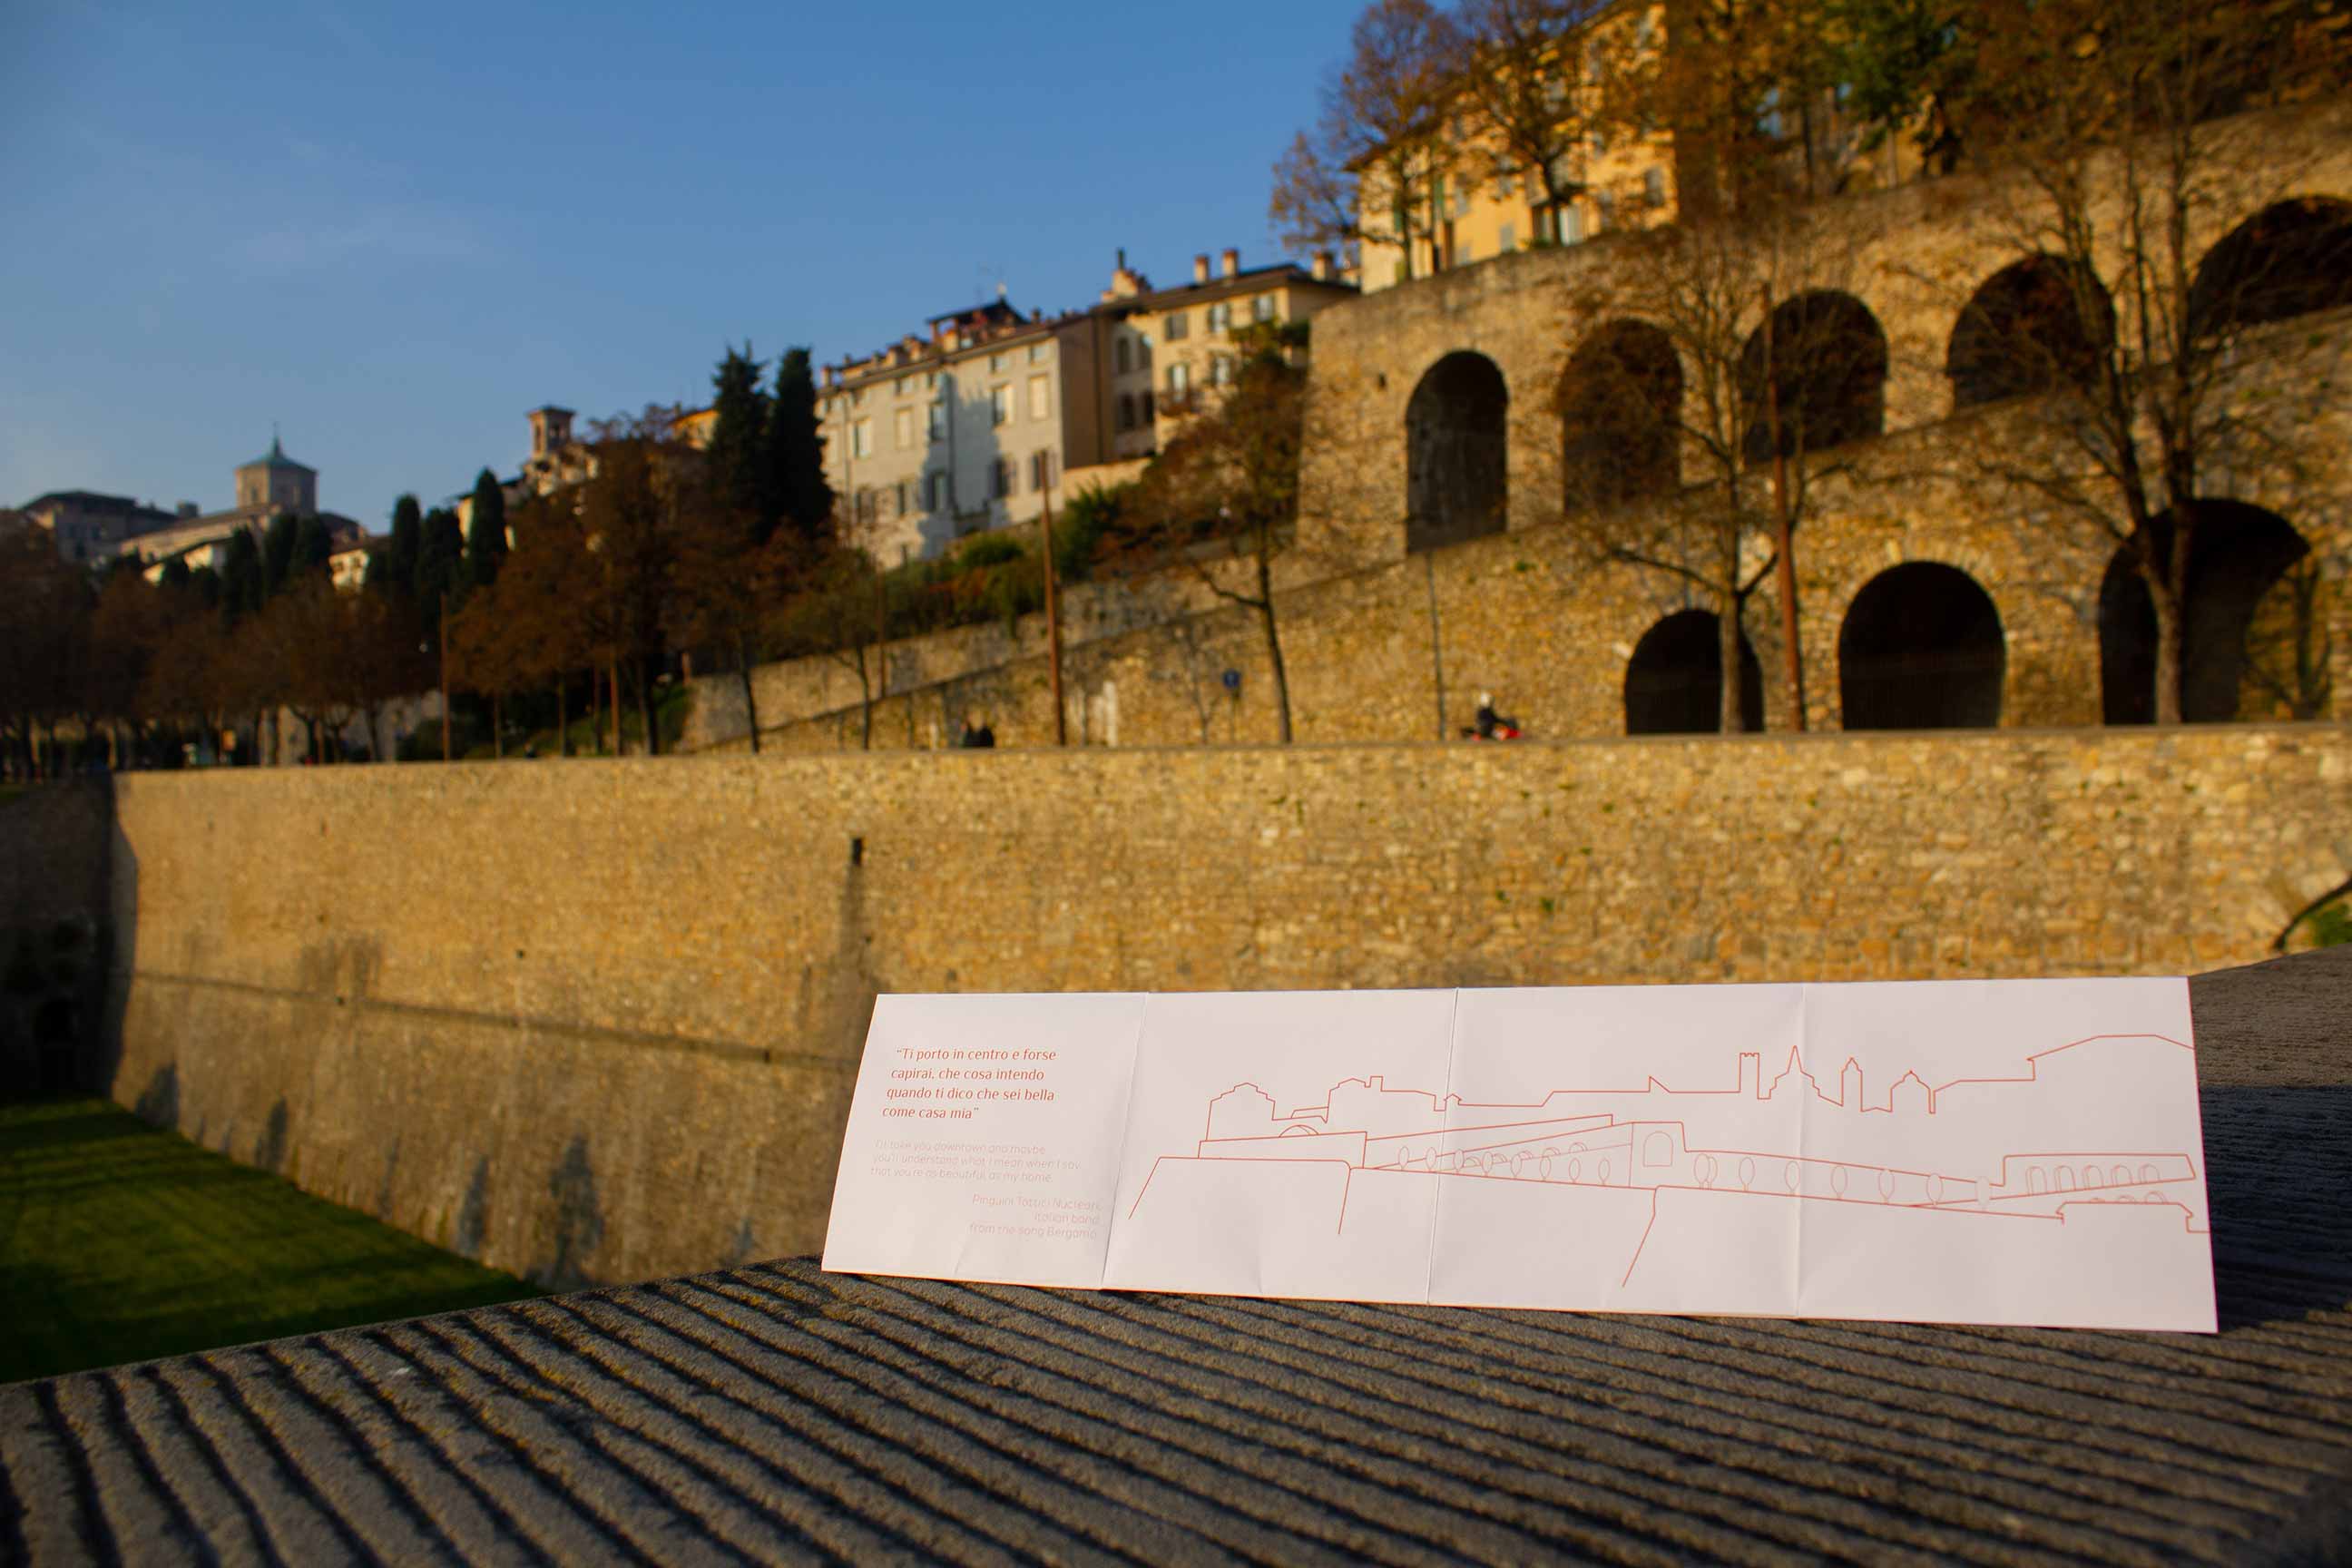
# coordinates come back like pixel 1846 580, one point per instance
pixel 120 1243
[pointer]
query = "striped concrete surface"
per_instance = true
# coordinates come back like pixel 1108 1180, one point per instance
pixel 779 1414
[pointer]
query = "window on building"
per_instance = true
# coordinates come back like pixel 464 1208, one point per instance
pixel 1037 353
pixel 930 381
pixel 1040 396
pixel 1221 370
pixel 996 364
pixel 1001 479
pixel 1508 240
pixel 1127 411
pixel 1179 322
pixel 1123 355
pixel 942 496
pixel 1464 253
pixel 902 426
pixel 1180 376
pixel 1150 413
pixel 1264 308
pixel 861 438
pixel 1221 316
pixel 1041 470
pixel 1604 212
pixel 906 385
pixel 1462 199
pixel 938 421
pixel 1572 223
pixel 858 397
pixel 1000 405
pixel 1654 187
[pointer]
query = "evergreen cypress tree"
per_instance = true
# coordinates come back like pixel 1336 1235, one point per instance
pixel 738 432
pixel 276 554
pixel 394 566
pixel 485 541
pixel 241 587
pixel 795 467
pixel 314 547
pixel 440 560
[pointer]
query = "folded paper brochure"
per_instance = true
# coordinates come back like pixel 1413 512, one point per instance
pixel 1977 1151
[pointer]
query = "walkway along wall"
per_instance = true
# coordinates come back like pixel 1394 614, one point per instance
pixel 598 1019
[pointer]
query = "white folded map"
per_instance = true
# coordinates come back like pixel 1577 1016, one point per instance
pixel 1974 1151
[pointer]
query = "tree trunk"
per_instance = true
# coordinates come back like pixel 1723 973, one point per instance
pixel 2171 597
pixel 750 698
pixel 646 711
pixel 1726 637
pixel 1273 638
pixel 2168 641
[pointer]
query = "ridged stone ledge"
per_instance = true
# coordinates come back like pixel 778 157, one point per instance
pixel 780 1414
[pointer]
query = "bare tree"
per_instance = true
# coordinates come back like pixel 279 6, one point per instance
pixel 2112 122
pixel 1367 173
pixel 1694 410
pixel 1225 491
pixel 1531 108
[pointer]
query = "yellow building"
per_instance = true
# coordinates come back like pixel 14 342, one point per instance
pixel 1170 351
pixel 1472 204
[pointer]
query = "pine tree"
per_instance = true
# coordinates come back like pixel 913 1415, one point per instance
pixel 802 495
pixel 485 541
pixel 738 432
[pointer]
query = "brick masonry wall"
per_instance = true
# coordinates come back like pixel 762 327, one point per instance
pixel 599 1019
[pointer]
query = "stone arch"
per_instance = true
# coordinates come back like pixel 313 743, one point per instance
pixel 2290 258
pixel 1621 399
pixel 2241 563
pixel 2029 327
pixel 1673 682
pixel 1921 648
pixel 1829 365
pixel 1456 482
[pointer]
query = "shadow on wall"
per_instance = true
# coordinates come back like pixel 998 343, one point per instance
pixel 576 1219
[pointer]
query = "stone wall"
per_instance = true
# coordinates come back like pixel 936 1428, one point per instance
pixel 1381 646
pixel 55 843
pixel 599 1019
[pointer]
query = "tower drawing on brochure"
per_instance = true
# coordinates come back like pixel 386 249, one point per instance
pixel 2004 1153
pixel 1930 1149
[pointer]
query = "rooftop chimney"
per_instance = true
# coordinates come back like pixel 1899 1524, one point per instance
pixel 1321 266
pixel 1200 268
pixel 1233 260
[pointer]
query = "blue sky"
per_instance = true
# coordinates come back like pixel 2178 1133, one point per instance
pixel 394 228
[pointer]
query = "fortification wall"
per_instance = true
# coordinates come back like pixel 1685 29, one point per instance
pixel 55 843
pixel 599 1019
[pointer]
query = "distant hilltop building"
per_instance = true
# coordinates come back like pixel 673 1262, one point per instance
pixel 91 527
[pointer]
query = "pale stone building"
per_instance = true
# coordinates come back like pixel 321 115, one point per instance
pixel 966 427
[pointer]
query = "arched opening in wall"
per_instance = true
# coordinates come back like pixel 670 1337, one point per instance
pixel 1621 402
pixel 1674 683
pixel 1921 648
pixel 1455 485
pixel 2253 634
pixel 1828 356
pixel 2030 326
pixel 2289 259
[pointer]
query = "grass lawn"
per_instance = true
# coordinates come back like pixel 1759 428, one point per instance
pixel 120 1243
